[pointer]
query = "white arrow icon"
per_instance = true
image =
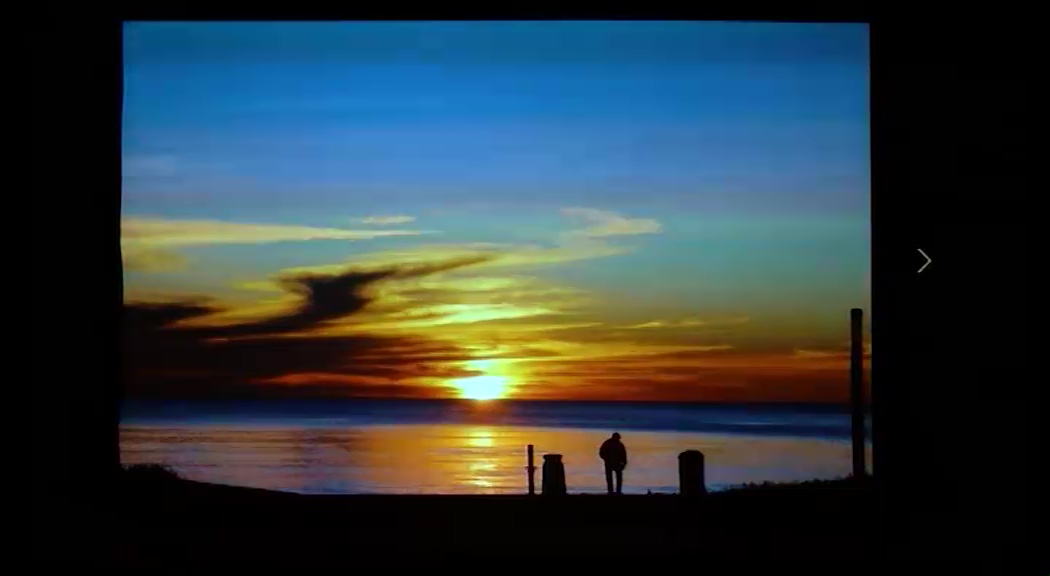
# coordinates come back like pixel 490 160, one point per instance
pixel 927 263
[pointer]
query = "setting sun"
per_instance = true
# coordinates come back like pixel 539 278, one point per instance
pixel 481 387
pixel 493 381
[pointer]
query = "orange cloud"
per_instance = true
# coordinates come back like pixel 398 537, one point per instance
pixel 310 378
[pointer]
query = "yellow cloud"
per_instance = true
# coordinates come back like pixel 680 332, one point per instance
pixel 581 245
pixel 458 288
pixel 502 256
pixel 688 323
pixel 259 286
pixel 478 306
pixel 154 232
pixel 423 317
pixel 653 324
pixel 470 284
pixel 445 314
pixel 230 311
pixel 424 305
pixel 144 259
pixel 527 327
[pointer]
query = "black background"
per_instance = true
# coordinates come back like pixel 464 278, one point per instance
pixel 949 377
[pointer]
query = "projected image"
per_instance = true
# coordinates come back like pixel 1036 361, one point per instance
pixel 388 257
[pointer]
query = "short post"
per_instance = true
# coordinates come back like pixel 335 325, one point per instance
pixel 553 475
pixel 691 473
pixel 531 468
pixel 856 376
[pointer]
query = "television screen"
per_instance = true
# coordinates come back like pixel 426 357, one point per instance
pixel 387 257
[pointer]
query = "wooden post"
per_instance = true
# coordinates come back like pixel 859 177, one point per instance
pixel 531 468
pixel 553 475
pixel 856 373
pixel 691 473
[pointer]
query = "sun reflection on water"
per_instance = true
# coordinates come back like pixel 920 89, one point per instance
pixel 458 459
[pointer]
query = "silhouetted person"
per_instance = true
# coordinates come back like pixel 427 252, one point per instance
pixel 614 454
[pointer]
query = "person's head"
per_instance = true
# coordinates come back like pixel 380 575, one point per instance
pixel 616 436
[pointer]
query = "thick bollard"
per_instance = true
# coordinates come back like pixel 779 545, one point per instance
pixel 691 473
pixel 553 475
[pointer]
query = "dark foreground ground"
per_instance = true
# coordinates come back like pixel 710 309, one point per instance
pixel 176 525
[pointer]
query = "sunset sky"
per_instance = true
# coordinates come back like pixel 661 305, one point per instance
pixel 565 210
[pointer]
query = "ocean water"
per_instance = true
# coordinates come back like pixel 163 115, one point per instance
pixel 464 447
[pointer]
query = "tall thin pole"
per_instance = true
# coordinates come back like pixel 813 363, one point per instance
pixel 531 468
pixel 856 375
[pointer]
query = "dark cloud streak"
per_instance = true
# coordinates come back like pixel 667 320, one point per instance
pixel 335 296
pixel 165 359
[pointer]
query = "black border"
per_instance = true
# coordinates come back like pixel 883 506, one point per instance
pixel 949 376
pixel 944 165
pixel 75 372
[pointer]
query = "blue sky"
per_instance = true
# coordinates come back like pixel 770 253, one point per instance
pixel 746 143
pixel 774 118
